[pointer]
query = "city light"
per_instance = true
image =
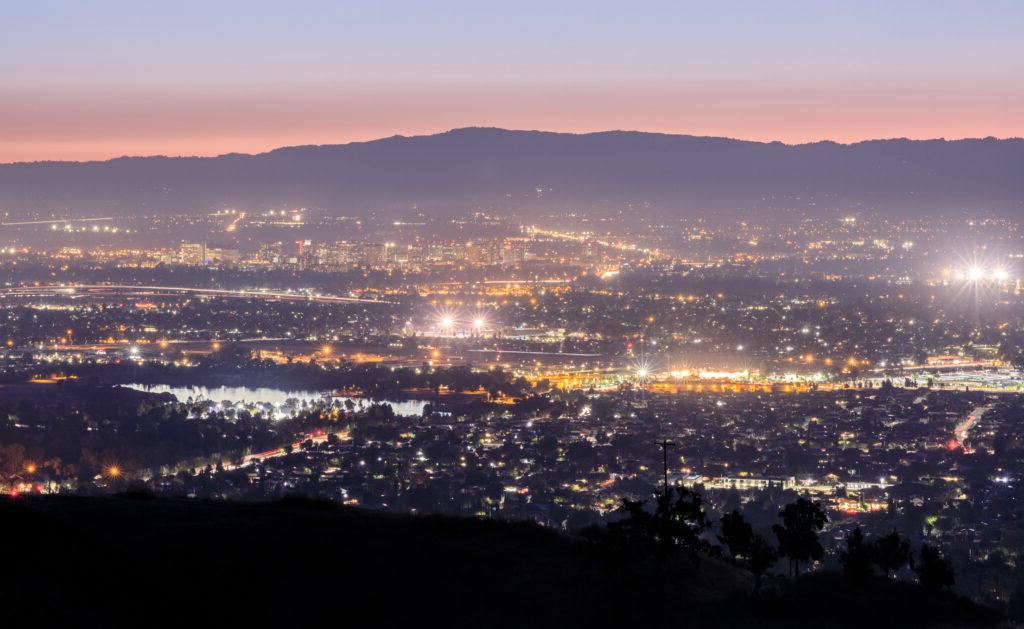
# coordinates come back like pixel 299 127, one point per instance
pixel 643 369
pixel 978 273
pixel 691 361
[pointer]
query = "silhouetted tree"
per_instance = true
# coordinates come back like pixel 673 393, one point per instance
pixel 760 557
pixel 798 533
pixel 933 570
pixel 856 559
pixel 678 520
pixel 891 552
pixel 748 548
pixel 737 534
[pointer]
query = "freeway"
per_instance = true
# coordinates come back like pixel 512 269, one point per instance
pixel 57 221
pixel 74 290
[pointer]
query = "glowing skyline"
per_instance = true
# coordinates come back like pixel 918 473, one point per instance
pixel 88 81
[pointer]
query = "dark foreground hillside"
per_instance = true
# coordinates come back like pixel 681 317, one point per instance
pixel 146 560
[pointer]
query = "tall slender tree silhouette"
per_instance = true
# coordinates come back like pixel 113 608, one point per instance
pixel 856 559
pixel 933 570
pixel 760 557
pixel 798 533
pixel 737 534
pixel 747 548
pixel 891 552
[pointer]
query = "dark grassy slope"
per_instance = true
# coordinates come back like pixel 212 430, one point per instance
pixel 145 560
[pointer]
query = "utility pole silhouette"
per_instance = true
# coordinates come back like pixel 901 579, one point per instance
pixel 665 444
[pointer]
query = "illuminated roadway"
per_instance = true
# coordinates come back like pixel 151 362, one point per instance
pixel 58 221
pixel 963 429
pixel 99 289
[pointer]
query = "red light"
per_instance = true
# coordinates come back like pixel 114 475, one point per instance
pixel 952 444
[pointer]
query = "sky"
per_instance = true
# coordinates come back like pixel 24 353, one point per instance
pixel 82 80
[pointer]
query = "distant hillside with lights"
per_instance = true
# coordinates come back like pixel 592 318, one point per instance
pixel 149 560
pixel 533 171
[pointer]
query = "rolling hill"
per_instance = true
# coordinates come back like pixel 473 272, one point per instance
pixel 530 171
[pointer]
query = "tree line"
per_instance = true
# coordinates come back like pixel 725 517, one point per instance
pixel 675 522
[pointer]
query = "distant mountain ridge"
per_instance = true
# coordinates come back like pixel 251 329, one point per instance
pixel 492 168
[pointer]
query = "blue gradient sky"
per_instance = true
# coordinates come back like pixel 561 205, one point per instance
pixel 85 80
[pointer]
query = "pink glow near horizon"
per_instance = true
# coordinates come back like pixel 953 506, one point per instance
pixel 99 124
pixel 93 80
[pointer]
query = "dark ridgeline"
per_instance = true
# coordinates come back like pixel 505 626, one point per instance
pixel 149 561
pixel 481 167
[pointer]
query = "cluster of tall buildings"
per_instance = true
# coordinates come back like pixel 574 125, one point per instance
pixel 199 254
pixel 343 255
